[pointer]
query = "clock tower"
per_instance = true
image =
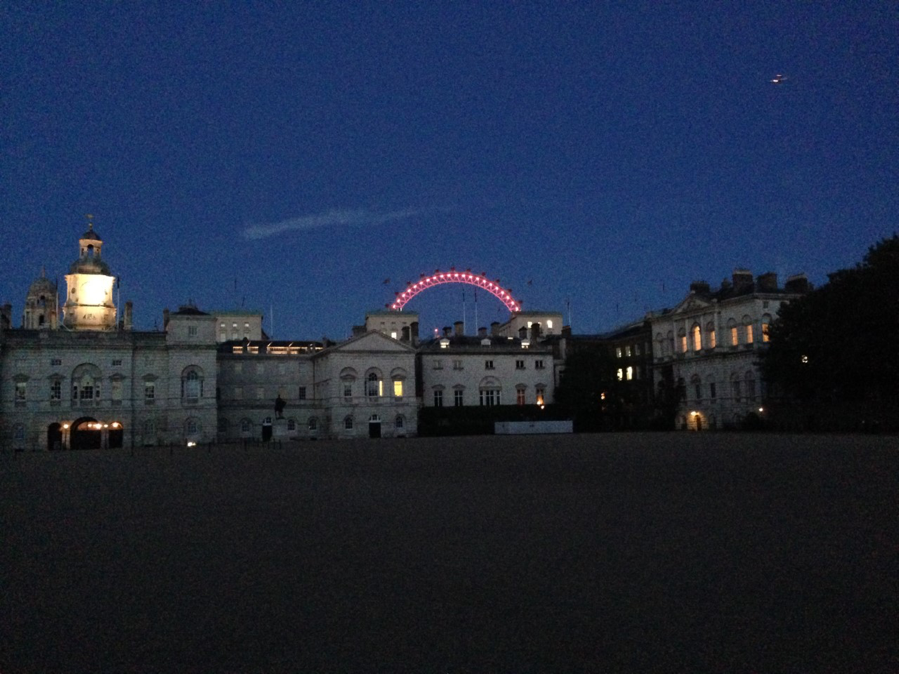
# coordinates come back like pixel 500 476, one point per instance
pixel 89 300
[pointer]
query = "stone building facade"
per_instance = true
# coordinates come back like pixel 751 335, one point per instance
pixel 707 348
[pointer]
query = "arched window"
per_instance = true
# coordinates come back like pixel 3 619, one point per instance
pixel 86 380
pixel 191 384
pixel 696 335
pixel 710 332
pixel 660 344
pixel 313 424
pixel 696 383
pixel 681 340
pixel 348 423
pixel 747 329
pixel 750 385
pixel 732 329
pixel 735 387
pixel 766 327
pixel 291 425
pixel 373 385
pixel 192 427
pixel 246 426
pixel 399 423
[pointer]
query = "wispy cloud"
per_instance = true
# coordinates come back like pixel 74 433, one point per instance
pixel 333 218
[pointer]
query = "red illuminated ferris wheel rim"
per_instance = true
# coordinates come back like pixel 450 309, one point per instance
pixel 504 295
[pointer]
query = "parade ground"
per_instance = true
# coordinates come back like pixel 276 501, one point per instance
pixel 579 553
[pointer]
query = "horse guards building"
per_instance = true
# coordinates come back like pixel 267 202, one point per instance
pixel 77 375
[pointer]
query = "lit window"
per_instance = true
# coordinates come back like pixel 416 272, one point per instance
pixel 766 335
pixel 549 325
pixel 734 336
pixel 541 394
pixel 682 342
pixel 618 352
pixel 710 331
pixel 620 374
pixel 627 351
pixel 393 335
pixel 697 338
pixel 398 388
pixel 749 334
pixel 629 373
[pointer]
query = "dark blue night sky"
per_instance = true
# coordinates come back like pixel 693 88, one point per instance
pixel 292 159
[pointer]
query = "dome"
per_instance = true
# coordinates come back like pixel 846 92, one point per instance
pixel 42 286
pixel 90 234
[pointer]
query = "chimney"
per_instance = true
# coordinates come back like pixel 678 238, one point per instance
pixel 406 333
pixel 566 331
pixel 700 287
pixel 6 316
pixel 742 280
pixel 798 283
pixel 535 331
pixel 414 332
pixel 494 328
pixel 447 330
pixel 129 309
pixel 522 332
pixel 767 283
pixel 459 328
pixel 482 332
pixel 165 318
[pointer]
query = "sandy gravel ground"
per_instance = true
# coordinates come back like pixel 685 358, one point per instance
pixel 593 553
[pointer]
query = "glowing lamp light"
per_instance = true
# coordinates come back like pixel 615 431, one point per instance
pixel 65 425
pixel 191 443
pixel 761 409
pixel 105 425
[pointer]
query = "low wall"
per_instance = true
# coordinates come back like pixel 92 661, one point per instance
pixel 529 427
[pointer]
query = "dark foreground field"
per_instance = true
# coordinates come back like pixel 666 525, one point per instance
pixel 596 553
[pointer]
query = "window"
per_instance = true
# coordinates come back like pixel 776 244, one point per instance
pixel 697 386
pixel 620 374
pixel 115 391
pixel 149 391
pixel 348 423
pixel 618 352
pixel 766 327
pixel 488 365
pixel 627 351
pixel 457 365
pixel 519 364
pixel 682 340
pixel 438 398
pixel 397 388
pixel 490 397
pixel 710 331
pixel 541 394
pixel 21 392
pixel 191 384
pixel 747 322
pixel 637 350
pixel 56 390
pixel 538 365
pixel 291 425
pixel 56 361
pixel 438 364
pixel 347 391
pixel 735 387
pixel 750 385
pixel 191 426
pixel 712 392
pixel 458 398
pixel 519 396
pixel 374 386
pixel 301 393
pixel 246 426
pixel 399 423
pixel 85 384
pixel 734 334
pixel 629 373
pixel 696 335
pixel 192 330
pixel 313 424
pixel 549 325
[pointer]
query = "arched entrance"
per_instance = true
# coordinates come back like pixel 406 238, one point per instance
pixel 86 434
pixel 374 426
pixel 54 436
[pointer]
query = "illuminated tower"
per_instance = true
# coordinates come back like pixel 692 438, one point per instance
pixel 89 301
pixel 41 305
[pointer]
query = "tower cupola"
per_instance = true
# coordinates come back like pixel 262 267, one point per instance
pixel 89 300
pixel 41 305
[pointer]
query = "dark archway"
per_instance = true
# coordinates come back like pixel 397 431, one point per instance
pixel 54 436
pixel 86 434
pixel 116 436
pixel 374 426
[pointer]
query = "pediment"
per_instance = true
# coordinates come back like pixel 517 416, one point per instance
pixel 690 304
pixel 372 341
